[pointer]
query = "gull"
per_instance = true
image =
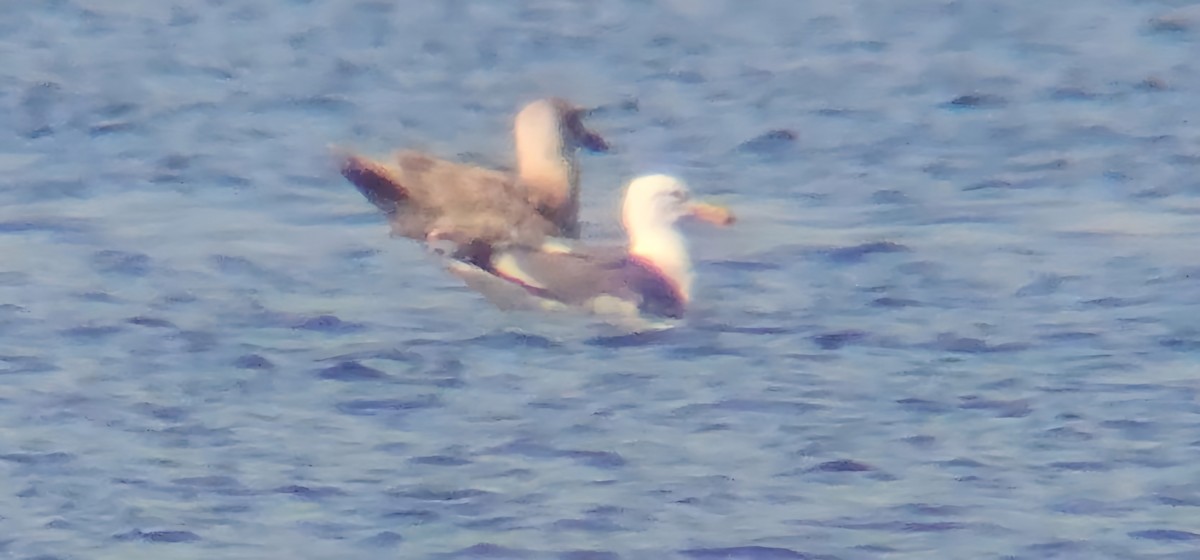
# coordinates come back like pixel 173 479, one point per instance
pixel 650 278
pixel 429 199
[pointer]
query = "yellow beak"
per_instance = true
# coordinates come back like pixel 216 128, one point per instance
pixel 711 213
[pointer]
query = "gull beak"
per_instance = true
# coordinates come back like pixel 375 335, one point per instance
pixel 593 142
pixel 584 137
pixel 711 213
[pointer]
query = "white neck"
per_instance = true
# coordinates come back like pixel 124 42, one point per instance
pixel 665 246
pixel 544 161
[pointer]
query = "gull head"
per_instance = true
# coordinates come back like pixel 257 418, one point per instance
pixel 656 202
pixel 557 123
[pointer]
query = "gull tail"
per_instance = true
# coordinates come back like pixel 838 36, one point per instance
pixel 377 182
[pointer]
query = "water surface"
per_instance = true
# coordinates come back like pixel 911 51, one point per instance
pixel 957 319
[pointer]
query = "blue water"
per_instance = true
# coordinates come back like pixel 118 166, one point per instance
pixel 958 318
